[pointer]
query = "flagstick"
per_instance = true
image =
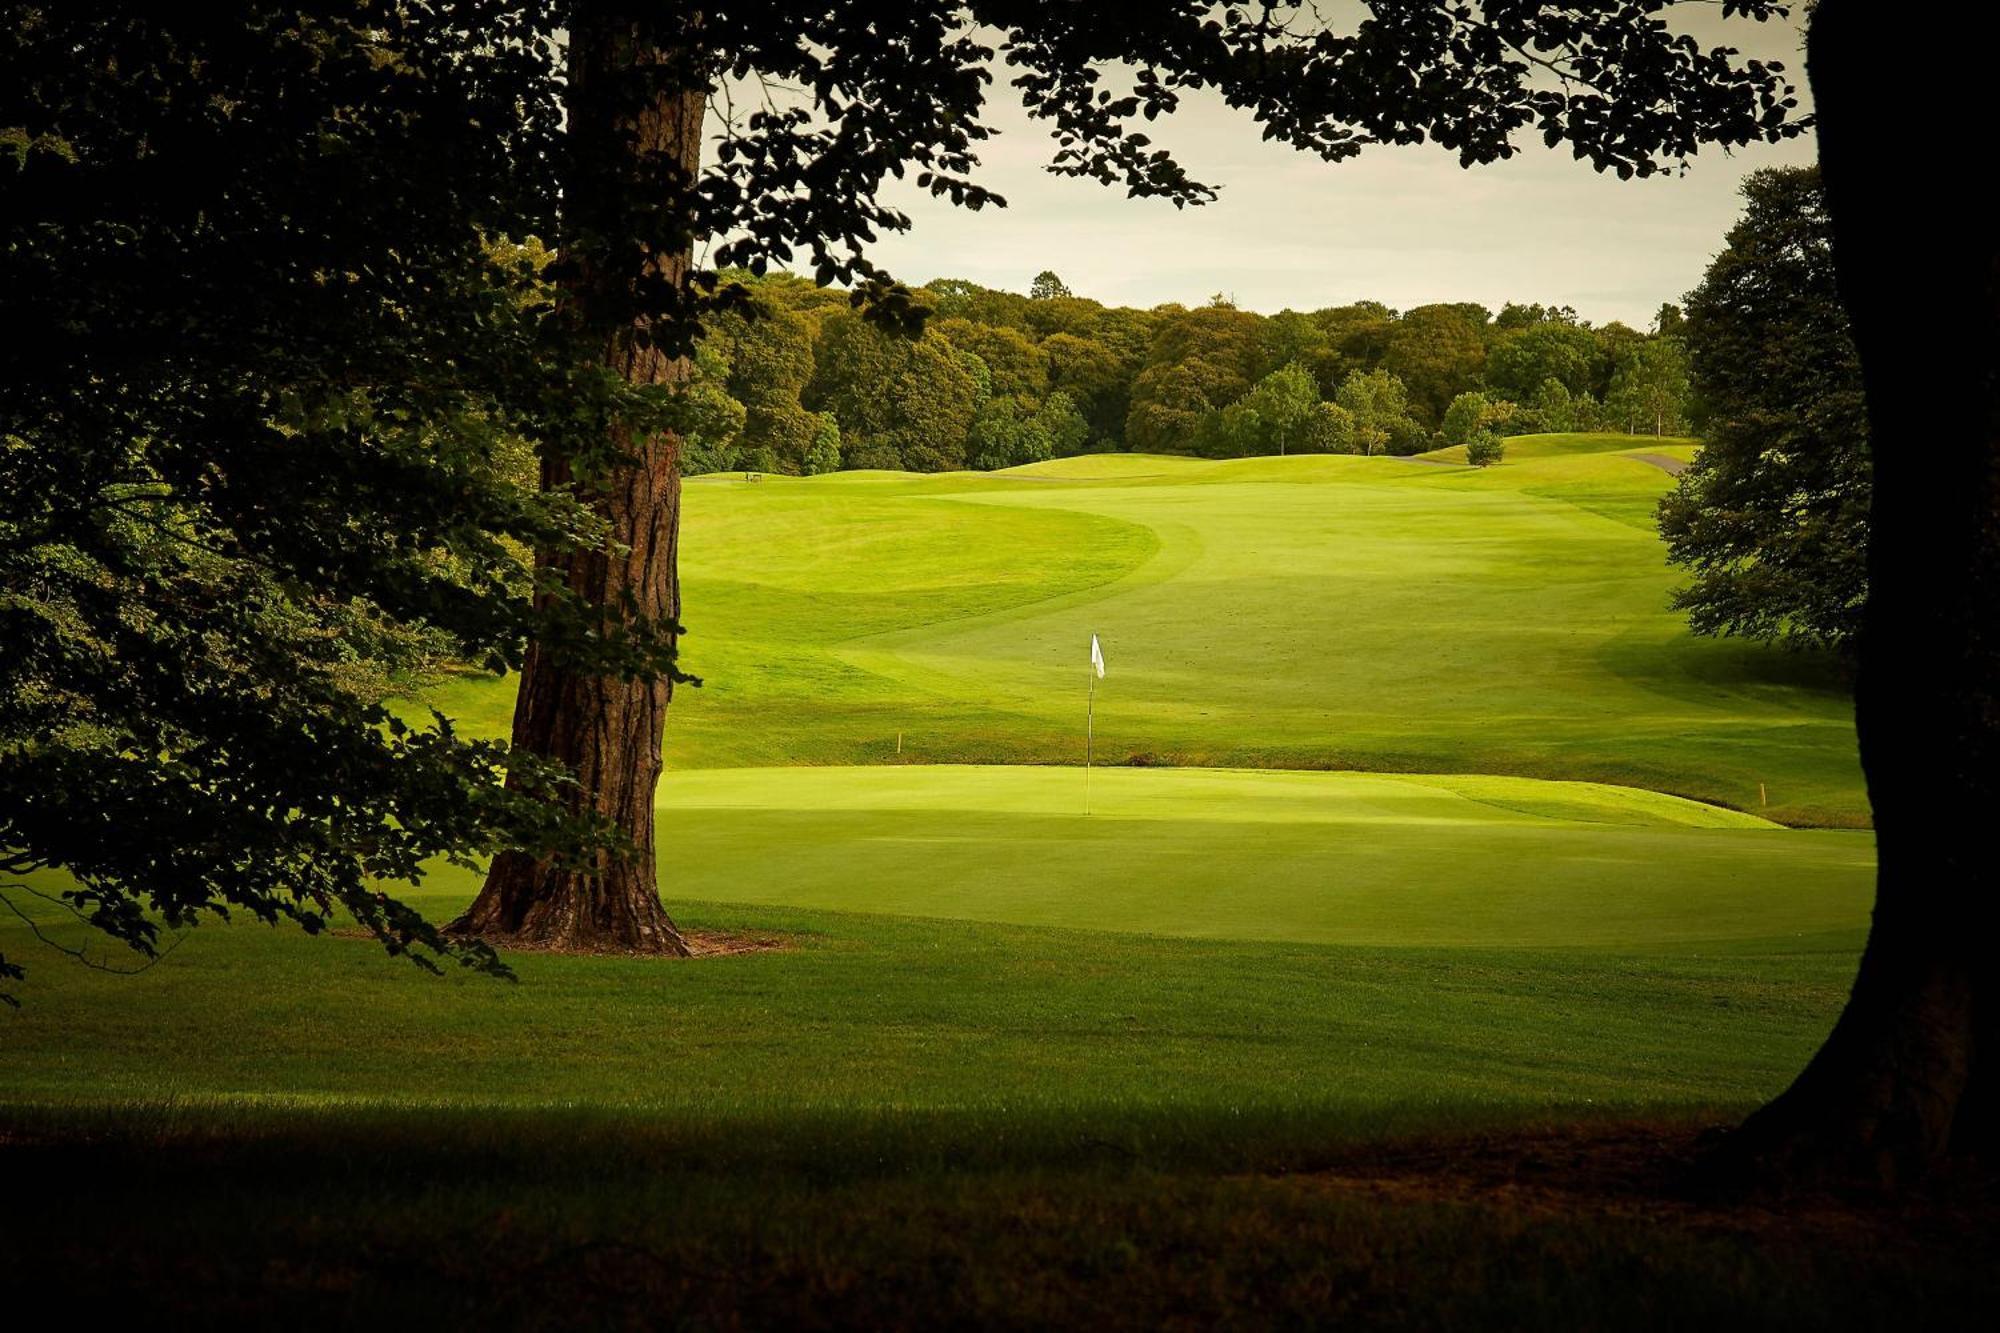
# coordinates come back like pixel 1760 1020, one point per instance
pixel 1089 734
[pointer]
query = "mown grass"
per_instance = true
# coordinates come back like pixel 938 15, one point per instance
pixel 889 1014
pixel 1019 1065
pixel 1316 612
pixel 1312 857
pixel 910 1124
pixel 895 1122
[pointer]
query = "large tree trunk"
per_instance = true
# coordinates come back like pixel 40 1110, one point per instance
pixel 1906 1076
pixel 607 729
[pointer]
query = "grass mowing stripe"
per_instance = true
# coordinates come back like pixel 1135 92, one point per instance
pixel 1314 612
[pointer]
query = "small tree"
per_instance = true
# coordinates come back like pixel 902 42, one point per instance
pixel 1650 387
pixel 1284 401
pixel 1485 448
pixel 1463 419
pixel 1554 407
pixel 1328 429
pixel 1270 419
pixel 1381 409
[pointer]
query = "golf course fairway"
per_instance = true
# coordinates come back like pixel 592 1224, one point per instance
pixel 1381 614
pixel 1389 808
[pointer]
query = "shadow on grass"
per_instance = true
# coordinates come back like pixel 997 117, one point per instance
pixel 1140 1218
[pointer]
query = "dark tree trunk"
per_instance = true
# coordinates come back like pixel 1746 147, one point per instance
pixel 606 729
pixel 1906 1077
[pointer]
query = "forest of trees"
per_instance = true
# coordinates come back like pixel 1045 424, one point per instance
pixel 999 379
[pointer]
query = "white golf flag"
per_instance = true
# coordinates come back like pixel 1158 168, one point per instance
pixel 1097 657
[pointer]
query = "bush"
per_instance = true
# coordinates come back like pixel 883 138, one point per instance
pixel 1485 449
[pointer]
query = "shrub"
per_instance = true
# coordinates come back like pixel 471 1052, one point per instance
pixel 1485 449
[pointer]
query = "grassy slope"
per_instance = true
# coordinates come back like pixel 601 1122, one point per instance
pixel 831 1134
pixel 1554 444
pixel 1354 878
pixel 1292 613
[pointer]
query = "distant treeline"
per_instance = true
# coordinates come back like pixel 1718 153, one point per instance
pixel 1000 378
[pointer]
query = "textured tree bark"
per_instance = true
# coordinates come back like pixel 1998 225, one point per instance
pixel 607 730
pixel 1905 1078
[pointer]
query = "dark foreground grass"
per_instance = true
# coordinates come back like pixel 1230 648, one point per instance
pixel 907 1123
pixel 549 1220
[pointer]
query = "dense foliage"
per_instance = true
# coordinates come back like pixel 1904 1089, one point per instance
pixel 1772 517
pixel 1211 380
pixel 264 456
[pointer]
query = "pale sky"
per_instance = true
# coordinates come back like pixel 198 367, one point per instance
pixel 1404 226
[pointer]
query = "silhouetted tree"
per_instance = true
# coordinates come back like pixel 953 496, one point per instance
pixel 1909 1074
pixel 272 381
pixel 1771 518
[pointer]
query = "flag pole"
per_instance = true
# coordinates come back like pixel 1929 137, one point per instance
pixel 1089 732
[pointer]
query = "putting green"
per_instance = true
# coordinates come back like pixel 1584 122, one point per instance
pixel 1303 613
pixel 1322 858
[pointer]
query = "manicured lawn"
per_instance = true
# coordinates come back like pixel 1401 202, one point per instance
pixel 1554 444
pixel 1313 612
pixel 1332 858
pixel 1392 951
pixel 911 1122
pixel 885 1018
pixel 1012 1052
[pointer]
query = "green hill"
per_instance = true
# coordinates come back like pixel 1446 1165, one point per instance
pixel 1314 612
pixel 970 997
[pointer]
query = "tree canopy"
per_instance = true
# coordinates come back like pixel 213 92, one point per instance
pixel 1169 373
pixel 265 456
pixel 1771 519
